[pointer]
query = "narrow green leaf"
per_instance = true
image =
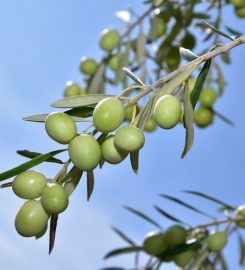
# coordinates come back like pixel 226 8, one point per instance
pixel 29 164
pixel 217 30
pixel 42 118
pixel 83 112
pixel 52 231
pixel 90 184
pixel 140 46
pixel 199 83
pixel 122 251
pixel 241 249
pixel 223 118
pixel 79 101
pixel 143 216
pixel 72 179
pixel 134 159
pixel 123 62
pixel 233 31
pixel 123 236
pixel 184 204
pixel 167 215
pixel 96 85
pixel 133 76
pixel 211 198
pixel 31 154
pixel 188 122
pixel 221 81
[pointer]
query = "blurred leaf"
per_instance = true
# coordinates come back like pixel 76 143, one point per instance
pixel 29 164
pixel 84 111
pixel 90 184
pixel 167 215
pixel 42 118
pixel 30 154
pixel 199 83
pixel 188 122
pixel 52 231
pixel 241 249
pixel 97 82
pixel 122 251
pixel 134 159
pixel 72 179
pixel 221 81
pixel 123 236
pixel 79 101
pixel 202 256
pixel 143 216
pixel 218 31
pixel 233 31
pixel 184 204
pixel 199 15
pixel 223 118
pixel 123 62
pixel 210 198
pixel 140 46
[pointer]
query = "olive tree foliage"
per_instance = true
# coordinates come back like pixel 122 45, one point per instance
pixel 165 81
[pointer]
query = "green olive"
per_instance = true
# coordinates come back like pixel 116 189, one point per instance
pixel 72 89
pixel 84 152
pixel 217 240
pixel 154 243
pixel 238 3
pixel 88 66
pixel 111 153
pixel 240 11
pixel 208 96
pixel 185 257
pixel 176 235
pixel 29 184
pixel 129 112
pixel 42 233
pixel 60 127
pixel 240 213
pixel 167 111
pixel 203 117
pixel 31 219
pixel 150 125
pixel 114 62
pixel 54 199
pixel 173 58
pixel 129 138
pixel 188 41
pixel 109 39
pixel 108 114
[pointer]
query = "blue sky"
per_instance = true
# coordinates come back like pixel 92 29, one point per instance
pixel 41 44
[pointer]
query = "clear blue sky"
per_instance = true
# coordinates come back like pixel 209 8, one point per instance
pixel 41 44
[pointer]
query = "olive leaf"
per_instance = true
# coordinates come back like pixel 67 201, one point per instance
pixel 31 154
pixel 202 256
pixel 42 118
pixel 5 185
pixel 188 122
pixel 52 231
pixel 121 251
pixel 79 101
pixel 97 82
pixel 140 46
pixel 72 179
pixel 221 81
pixel 134 159
pixel 123 236
pixel 83 112
pixel 90 184
pixel 29 164
pixel 222 117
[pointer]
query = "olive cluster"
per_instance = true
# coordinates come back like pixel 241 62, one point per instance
pixel 239 7
pixel 43 199
pixel 160 243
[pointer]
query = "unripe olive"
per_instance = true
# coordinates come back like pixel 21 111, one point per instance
pixel 54 199
pixel 203 117
pixel 29 184
pixel 88 66
pixel 60 127
pixel 31 219
pixel 185 257
pixel 240 11
pixel 72 89
pixel 217 240
pixel 114 62
pixel 208 96
pixel 238 3
pixel 110 152
pixel 129 112
pixel 154 243
pixel 150 125
pixel 175 235
pixel 42 233
pixel 108 114
pixel 191 83
pixel 173 58
pixel 188 41
pixel 109 39
pixel 240 212
pixel 84 152
pixel 129 138
pixel 167 111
